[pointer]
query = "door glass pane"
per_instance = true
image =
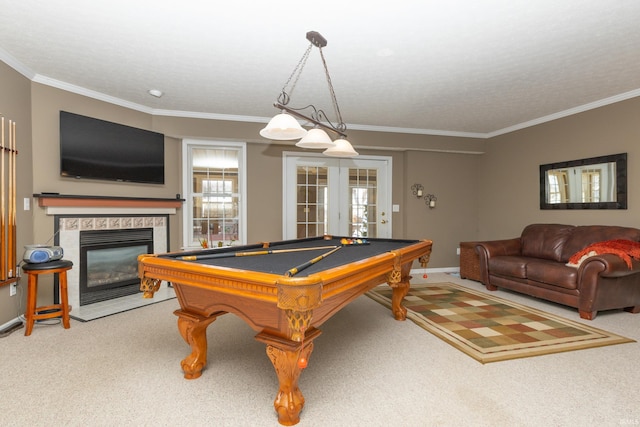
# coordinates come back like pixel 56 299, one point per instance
pixel 363 188
pixel 311 199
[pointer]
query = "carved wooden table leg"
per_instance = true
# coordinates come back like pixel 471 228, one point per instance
pixel 400 290
pixel 193 329
pixel 284 356
pixel 149 286
pixel 398 280
pixel 289 400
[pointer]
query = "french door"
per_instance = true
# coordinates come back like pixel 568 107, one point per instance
pixel 343 197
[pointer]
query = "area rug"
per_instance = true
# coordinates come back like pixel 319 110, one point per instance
pixel 491 329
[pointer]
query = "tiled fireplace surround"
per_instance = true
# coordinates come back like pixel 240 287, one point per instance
pixel 69 221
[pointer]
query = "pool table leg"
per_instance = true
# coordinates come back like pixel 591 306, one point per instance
pixel 400 290
pixel 284 355
pixel 149 286
pixel 193 329
pixel 398 280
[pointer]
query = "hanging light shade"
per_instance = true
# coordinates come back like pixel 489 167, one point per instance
pixel 342 149
pixel 316 138
pixel 283 127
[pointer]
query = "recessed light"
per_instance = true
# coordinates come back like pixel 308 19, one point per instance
pixel 155 92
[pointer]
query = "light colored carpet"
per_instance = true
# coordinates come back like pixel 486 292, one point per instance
pixel 491 329
pixel 366 370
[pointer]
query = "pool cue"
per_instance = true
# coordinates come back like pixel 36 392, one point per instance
pixel 3 243
pixel 298 269
pixel 12 204
pixel 251 253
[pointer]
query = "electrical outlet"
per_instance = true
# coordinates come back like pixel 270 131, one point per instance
pixel 13 289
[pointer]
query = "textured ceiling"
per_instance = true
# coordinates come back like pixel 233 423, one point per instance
pixel 465 67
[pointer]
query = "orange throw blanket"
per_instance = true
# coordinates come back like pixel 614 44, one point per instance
pixel 625 249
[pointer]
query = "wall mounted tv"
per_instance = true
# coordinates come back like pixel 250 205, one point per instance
pixel 97 149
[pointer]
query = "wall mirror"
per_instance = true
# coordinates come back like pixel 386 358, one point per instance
pixel 593 183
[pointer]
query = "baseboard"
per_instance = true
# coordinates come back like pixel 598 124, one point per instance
pixel 10 322
pixel 435 270
pixel 10 326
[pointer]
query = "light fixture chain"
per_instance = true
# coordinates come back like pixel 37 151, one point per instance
pixel 297 71
pixel 341 125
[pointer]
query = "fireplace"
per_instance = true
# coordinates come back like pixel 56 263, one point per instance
pixel 108 262
pixel 75 214
pixel 118 238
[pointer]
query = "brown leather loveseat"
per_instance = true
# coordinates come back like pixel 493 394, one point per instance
pixel 536 264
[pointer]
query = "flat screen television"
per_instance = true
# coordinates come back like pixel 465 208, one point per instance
pixel 97 149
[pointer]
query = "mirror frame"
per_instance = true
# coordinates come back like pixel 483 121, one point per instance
pixel 621 183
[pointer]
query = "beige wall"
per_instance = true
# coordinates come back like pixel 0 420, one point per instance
pixel 480 196
pixel 452 178
pixel 455 175
pixel 15 104
pixel 509 171
pixel 47 104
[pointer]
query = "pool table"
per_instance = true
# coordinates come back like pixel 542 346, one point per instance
pixel 283 290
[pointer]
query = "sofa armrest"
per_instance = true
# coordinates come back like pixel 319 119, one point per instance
pixel 499 247
pixel 493 248
pixel 607 265
pixel 605 281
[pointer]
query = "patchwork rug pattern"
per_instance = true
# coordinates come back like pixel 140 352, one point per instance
pixel 492 329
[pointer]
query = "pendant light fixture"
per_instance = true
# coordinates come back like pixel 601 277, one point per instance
pixel 316 138
pixel 285 127
pixel 342 148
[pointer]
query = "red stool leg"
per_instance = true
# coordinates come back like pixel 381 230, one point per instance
pixel 32 295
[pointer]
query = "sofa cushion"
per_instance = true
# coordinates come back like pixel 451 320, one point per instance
pixel 585 235
pixel 552 273
pixel 509 266
pixel 546 241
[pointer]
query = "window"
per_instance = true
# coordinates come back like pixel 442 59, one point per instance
pixel 558 187
pixel 214 189
pixel 591 185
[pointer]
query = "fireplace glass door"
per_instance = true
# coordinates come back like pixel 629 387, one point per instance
pixel 109 266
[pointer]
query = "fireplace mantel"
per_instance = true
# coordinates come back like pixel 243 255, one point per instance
pixel 56 204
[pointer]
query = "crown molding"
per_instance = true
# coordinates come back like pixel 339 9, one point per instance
pixel 37 78
pixel 566 113
pixel 370 128
pixel 90 93
pixel 16 65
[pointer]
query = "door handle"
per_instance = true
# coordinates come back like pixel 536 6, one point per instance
pixel 384 221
